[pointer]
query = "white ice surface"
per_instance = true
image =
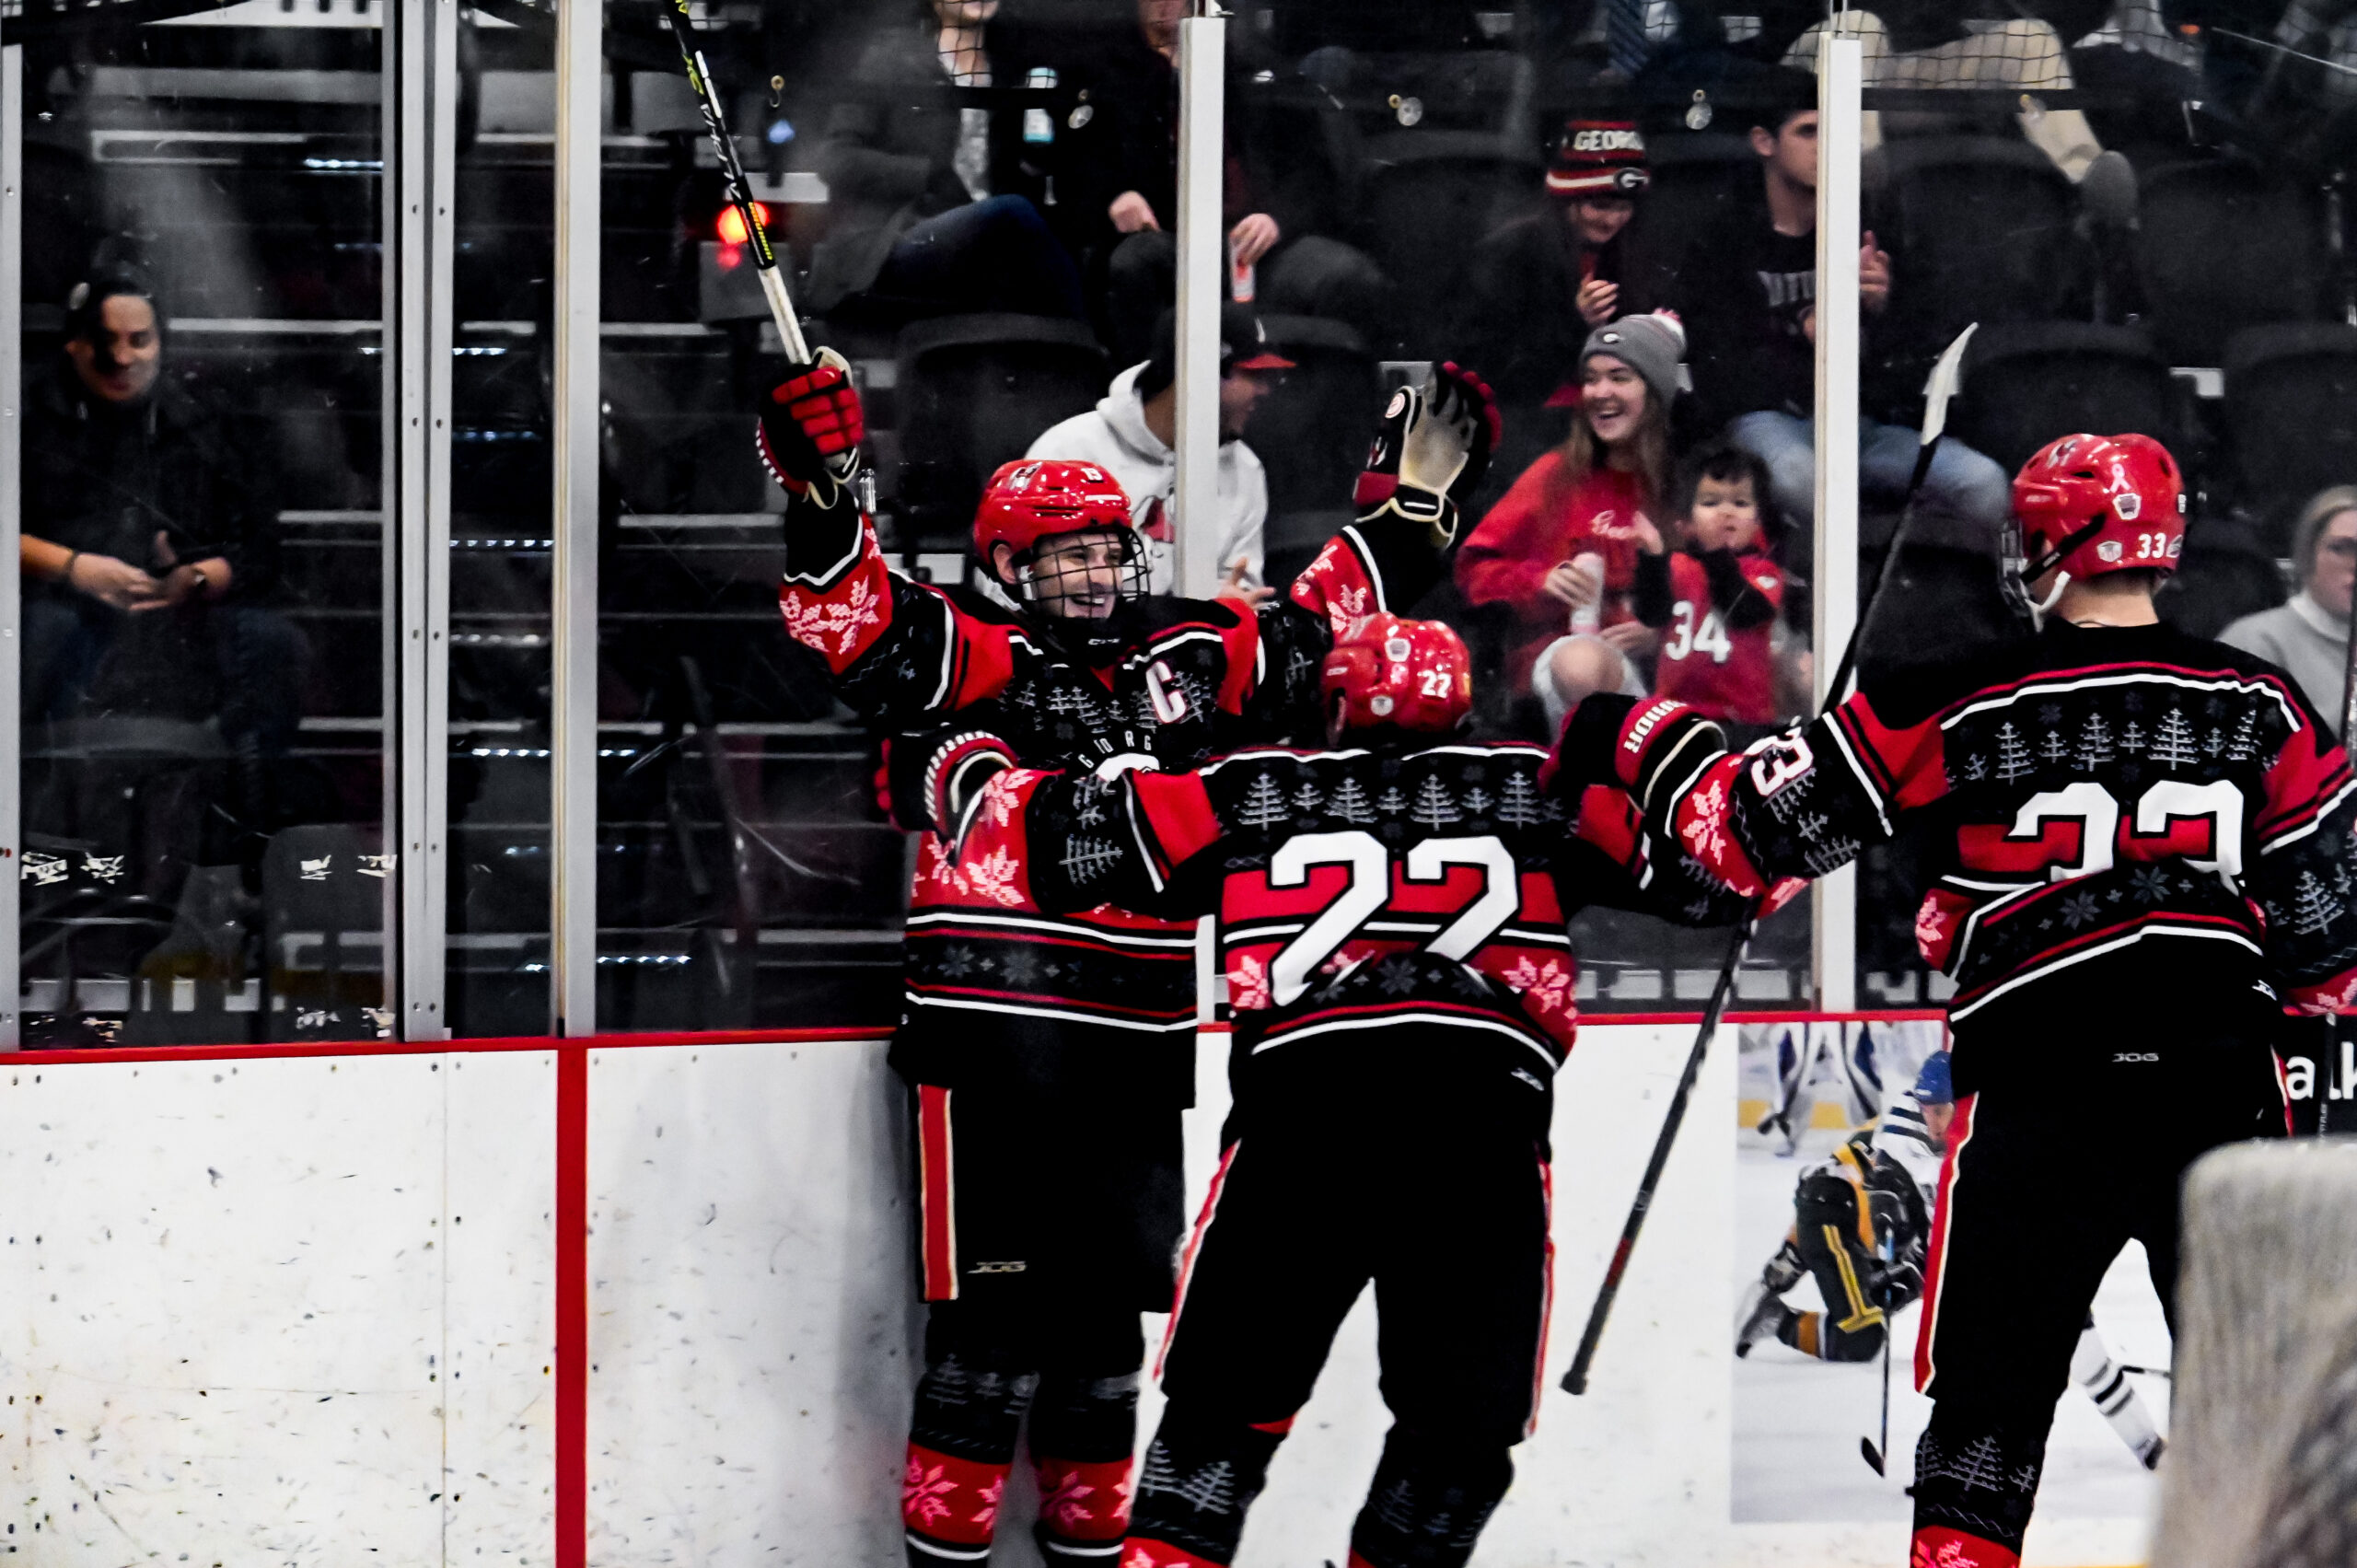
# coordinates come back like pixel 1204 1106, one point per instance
pixel 1797 1420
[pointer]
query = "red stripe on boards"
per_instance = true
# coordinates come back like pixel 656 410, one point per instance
pixel 571 1481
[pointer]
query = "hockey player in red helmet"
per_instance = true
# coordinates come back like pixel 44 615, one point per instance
pixel 2091 506
pixel 1392 927
pixel 1050 1053
pixel 2136 849
pixel 1056 537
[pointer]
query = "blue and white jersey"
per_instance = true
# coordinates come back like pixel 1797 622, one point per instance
pixel 1905 1138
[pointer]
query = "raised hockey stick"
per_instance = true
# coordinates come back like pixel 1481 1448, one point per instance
pixel 740 195
pixel 1936 393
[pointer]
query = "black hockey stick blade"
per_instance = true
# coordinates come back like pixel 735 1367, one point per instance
pixel 1872 1454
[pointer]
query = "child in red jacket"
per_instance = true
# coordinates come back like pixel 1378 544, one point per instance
pixel 1717 599
pixel 1559 550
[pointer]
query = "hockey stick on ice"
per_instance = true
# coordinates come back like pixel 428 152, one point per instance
pixel 1872 1452
pixel 1936 393
pixel 740 195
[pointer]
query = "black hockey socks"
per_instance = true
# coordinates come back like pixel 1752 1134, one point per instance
pixel 1201 1476
pixel 1083 1437
pixel 1428 1502
pixel 961 1444
pixel 1976 1478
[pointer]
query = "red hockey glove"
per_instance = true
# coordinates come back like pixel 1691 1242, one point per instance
pixel 1431 451
pixel 811 427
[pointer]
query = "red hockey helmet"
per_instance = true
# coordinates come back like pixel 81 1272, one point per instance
pixel 1036 498
pixel 2097 504
pixel 1388 670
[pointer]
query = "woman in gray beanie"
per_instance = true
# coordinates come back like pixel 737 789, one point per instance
pixel 1594 496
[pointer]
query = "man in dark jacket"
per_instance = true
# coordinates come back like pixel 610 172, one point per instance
pixel 926 204
pixel 147 544
pixel 1748 298
pixel 1279 191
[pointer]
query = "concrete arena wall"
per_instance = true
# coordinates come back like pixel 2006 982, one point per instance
pixel 304 1308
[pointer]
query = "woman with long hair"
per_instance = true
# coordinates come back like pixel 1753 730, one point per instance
pixel 1574 631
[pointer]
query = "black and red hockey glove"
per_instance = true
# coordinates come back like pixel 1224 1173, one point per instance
pixel 1630 743
pixel 811 428
pixel 1431 451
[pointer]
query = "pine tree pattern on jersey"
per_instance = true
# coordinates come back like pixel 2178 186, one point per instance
pixel 1187 676
pixel 2087 800
pixel 1360 890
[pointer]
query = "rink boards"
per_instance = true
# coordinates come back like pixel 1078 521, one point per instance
pixel 647 1301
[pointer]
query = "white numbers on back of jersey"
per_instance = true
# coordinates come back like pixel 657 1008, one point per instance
pixel 1369 890
pixel 1500 890
pixel 2171 800
pixel 2219 801
pixel 1688 637
pixel 2089 805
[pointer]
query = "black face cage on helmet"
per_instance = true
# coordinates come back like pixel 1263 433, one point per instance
pixel 1048 574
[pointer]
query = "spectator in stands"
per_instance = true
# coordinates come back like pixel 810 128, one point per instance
pixel 1132 434
pixel 1278 199
pixel 1541 284
pixel 1573 630
pixel 147 546
pixel 918 213
pixel 1749 294
pixel 1717 597
pixel 2308 634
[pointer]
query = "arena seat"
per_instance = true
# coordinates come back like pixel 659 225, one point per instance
pixel 2027 382
pixel 1985 231
pixel 1697 176
pixel 2224 246
pixel 2229 570
pixel 1310 433
pixel 1423 195
pixel 2292 410
pixel 974 390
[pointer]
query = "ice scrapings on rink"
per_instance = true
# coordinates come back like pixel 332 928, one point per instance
pixel 1797 1420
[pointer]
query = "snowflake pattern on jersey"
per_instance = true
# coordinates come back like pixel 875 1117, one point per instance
pixel 1546 987
pixel 831 625
pixel 1248 984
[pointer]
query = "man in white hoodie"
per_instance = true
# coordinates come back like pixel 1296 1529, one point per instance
pixel 1130 433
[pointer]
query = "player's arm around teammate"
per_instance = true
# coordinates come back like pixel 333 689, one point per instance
pixel 2136 842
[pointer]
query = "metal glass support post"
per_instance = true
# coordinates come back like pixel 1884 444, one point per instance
pixel 420 159
pixel 1202 80
pixel 12 327
pixel 573 761
pixel 1840 81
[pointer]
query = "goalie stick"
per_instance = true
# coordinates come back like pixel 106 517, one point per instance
pixel 740 196
pixel 1937 391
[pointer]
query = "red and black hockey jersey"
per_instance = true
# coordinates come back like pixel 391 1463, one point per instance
pixel 1717 613
pixel 1357 890
pixel 1187 676
pixel 2099 806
